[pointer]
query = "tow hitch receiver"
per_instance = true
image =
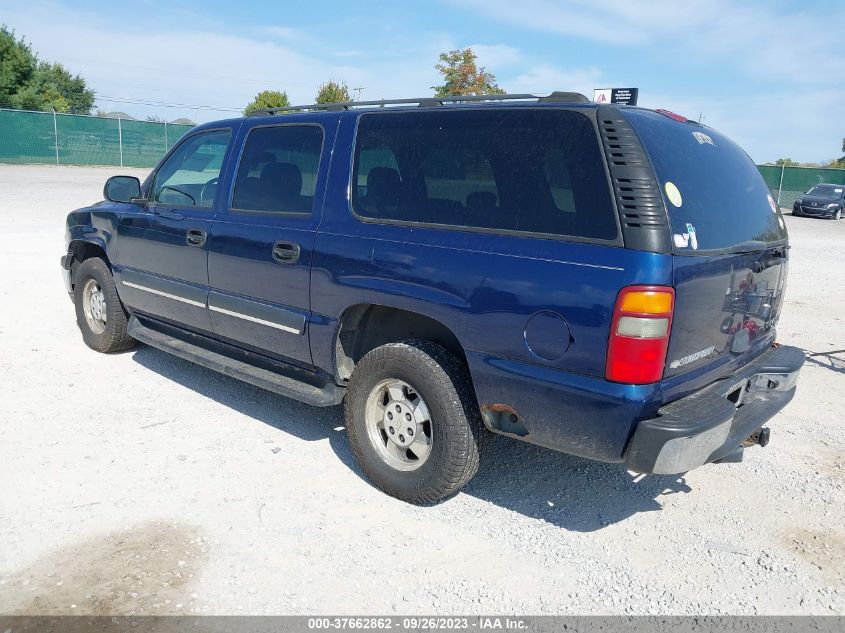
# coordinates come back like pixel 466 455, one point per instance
pixel 759 437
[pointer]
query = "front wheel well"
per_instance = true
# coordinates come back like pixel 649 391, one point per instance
pixel 365 327
pixel 86 250
pixel 83 250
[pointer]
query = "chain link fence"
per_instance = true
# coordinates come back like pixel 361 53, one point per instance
pixel 74 139
pixel 788 183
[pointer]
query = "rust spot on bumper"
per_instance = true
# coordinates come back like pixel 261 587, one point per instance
pixel 499 408
pixel 503 418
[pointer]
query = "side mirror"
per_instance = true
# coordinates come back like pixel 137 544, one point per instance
pixel 122 188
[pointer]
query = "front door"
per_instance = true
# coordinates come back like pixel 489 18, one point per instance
pixel 259 263
pixel 162 266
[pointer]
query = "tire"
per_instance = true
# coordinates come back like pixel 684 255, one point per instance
pixel 456 434
pixel 837 215
pixel 103 326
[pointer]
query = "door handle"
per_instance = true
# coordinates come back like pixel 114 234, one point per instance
pixel 286 252
pixel 196 237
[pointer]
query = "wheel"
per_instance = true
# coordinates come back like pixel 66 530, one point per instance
pixel 413 421
pixel 99 312
pixel 838 214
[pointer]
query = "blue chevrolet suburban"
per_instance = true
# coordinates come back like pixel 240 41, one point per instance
pixel 599 280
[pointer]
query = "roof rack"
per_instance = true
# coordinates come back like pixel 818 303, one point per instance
pixel 555 97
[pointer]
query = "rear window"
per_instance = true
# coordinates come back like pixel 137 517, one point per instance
pixel 715 196
pixel 533 171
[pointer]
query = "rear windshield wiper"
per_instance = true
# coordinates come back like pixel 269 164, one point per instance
pixel 752 246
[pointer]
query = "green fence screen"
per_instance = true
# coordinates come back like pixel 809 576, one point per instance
pixel 72 139
pixel 788 183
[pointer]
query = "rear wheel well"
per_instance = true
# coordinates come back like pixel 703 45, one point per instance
pixel 365 327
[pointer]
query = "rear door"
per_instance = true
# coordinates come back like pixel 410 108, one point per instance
pixel 163 243
pixel 259 262
pixel 729 244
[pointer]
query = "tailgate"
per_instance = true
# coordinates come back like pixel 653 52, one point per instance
pixel 729 242
pixel 725 306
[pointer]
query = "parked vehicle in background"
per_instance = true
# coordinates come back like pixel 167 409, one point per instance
pixel 600 280
pixel 821 201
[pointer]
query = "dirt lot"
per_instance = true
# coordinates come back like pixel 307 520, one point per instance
pixel 138 483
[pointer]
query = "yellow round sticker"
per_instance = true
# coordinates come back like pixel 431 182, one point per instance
pixel 673 194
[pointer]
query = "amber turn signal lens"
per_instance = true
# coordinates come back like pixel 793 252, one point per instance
pixel 646 302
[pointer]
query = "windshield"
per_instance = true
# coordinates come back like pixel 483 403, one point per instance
pixel 715 196
pixel 825 191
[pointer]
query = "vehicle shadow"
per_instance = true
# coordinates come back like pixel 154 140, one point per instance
pixel 291 416
pixel 833 360
pixel 570 492
pixel 563 490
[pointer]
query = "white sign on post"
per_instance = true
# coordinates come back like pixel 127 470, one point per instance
pixel 622 96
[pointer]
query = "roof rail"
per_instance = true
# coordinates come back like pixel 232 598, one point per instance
pixel 556 97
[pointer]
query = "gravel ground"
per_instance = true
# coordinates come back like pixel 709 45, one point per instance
pixel 139 483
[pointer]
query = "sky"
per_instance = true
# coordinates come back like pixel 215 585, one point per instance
pixel 769 74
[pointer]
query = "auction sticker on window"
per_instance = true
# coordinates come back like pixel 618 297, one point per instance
pixel 673 193
pixel 703 139
pixel 772 205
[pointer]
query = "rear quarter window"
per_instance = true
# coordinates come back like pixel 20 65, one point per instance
pixel 534 171
pixel 709 184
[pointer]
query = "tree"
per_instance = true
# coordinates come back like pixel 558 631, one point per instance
pixel 786 162
pixel 267 99
pixel 17 65
pixel 27 83
pixel 462 76
pixel 52 87
pixel 332 92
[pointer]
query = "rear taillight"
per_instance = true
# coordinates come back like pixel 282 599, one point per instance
pixel 639 334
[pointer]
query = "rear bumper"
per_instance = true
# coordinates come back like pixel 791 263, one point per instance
pixel 712 422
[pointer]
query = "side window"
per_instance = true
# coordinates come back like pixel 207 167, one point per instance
pixel 278 169
pixel 460 175
pixel 525 170
pixel 556 172
pixel 188 178
pixel 378 180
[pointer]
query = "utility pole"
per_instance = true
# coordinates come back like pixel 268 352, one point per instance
pixel 358 92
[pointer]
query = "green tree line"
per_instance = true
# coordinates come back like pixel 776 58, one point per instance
pixel 31 84
pixel 459 70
